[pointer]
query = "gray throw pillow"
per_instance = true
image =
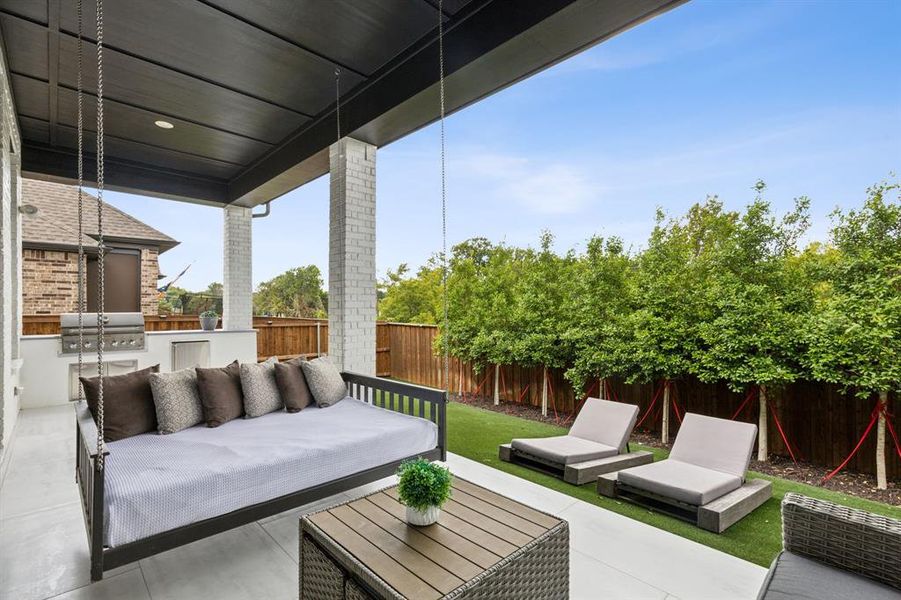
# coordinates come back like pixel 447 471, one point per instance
pixel 177 400
pixel 260 389
pixel 324 381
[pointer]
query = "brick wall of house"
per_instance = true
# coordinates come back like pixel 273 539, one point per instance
pixel 50 281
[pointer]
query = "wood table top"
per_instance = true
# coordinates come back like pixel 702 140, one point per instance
pixel 477 529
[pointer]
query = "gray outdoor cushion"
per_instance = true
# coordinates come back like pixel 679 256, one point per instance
pixel 794 576
pixel 605 422
pixel 680 481
pixel 177 400
pixel 261 394
pixel 324 381
pixel 564 449
pixel 717 444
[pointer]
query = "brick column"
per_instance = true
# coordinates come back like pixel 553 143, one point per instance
pixel 237 292
pixel 351 272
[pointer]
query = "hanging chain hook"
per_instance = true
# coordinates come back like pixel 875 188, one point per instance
pixel 338 100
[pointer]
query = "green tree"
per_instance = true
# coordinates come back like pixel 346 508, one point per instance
pixel 541 310
pixel 854 334
pixel 661 338
pixel 603 297
pixel 416 299
pixel 759 300
pixel 295 293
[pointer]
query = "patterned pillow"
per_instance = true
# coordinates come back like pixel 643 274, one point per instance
pixel 324 381
pixel 177 400
pixel 260 390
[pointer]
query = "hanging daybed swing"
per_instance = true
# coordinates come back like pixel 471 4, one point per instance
pixel 103 471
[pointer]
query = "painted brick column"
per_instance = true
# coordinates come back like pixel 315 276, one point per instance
pixel 351 271
pixel 237 285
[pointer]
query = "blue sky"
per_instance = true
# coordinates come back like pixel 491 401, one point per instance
pixel 705 99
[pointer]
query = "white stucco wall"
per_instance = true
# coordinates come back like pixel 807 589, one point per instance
pixel 44 376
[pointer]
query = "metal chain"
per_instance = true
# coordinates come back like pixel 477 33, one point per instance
pixel 101 249
pixel 444 269
pixel 80 97
pixel 338 100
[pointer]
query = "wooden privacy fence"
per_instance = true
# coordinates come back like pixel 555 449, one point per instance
pixel 822 424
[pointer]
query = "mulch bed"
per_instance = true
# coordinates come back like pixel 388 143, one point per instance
pixel 854 484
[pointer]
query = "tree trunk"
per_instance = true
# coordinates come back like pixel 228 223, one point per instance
pixel 544 393
pixel 602 392
pixel 460 382
pixel 497 386
pixel 664 424
pixel 762 450
pixel 881 480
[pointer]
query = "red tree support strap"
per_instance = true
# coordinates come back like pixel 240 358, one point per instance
pixel 582 401
pixel 504 384
pixel 747 399
pixel 651 405
pixel 873 418
pixel 479 388
pixel 523 393
pixel 781 431
pixel 553 402
pixel 676 405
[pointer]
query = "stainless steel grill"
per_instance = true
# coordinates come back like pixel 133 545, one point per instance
pixel 121 331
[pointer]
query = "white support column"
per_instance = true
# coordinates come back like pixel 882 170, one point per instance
pixel 16 255
pixel 237 282
pixel 8 401
pixel 351 279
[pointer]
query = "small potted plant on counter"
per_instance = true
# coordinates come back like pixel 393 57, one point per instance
pixel 423 487
pixel 209 319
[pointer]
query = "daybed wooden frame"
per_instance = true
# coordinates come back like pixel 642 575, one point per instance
pixel 716 516
pixel 424 402
pixel 575 473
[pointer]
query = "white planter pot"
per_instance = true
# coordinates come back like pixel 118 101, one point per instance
pixel 421 518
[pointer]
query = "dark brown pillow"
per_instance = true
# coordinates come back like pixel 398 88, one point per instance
pixel 292 385
pixel 128 407
pixel 220 394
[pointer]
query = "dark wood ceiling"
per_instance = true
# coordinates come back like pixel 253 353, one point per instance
pixel 250 86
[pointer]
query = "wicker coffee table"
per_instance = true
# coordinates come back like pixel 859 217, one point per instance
pixel 483 546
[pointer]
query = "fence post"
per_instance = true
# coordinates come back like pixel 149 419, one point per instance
pixel 318 339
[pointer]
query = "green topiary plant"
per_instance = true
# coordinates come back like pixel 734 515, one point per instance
pixel 422 484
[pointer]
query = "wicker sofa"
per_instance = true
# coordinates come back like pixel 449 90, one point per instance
pixel 832 551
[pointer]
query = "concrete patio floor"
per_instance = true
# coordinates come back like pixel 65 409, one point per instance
pixel 44 553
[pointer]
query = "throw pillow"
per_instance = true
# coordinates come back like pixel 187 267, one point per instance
pixel 177 400
pixel 260 390
pixel 292 385
pixel 325 381
pixel 127 403
pixel 220 394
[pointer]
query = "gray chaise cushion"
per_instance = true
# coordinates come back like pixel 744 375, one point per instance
pixel 261 395
pixel 564 449
pixel 325 381
pixel 794 576
pixel 717 444
pixel 177 400
pixel 605 422
pixel 680 481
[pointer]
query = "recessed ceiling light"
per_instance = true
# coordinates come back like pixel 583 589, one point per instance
pixel 163 124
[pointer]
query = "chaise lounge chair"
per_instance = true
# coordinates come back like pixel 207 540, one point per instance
pixel 595 444
pixel 702 481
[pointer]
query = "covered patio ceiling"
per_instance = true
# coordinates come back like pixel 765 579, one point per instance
pixel 250 86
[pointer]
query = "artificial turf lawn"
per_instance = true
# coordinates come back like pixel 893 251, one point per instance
pixel 476 433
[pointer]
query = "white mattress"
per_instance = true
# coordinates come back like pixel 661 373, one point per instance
pixel 158 482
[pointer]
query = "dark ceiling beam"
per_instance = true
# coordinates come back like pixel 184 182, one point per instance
pixel 114 49
pixel 58 164
pixel 467 38
pixel 53 66
pixel 283 38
